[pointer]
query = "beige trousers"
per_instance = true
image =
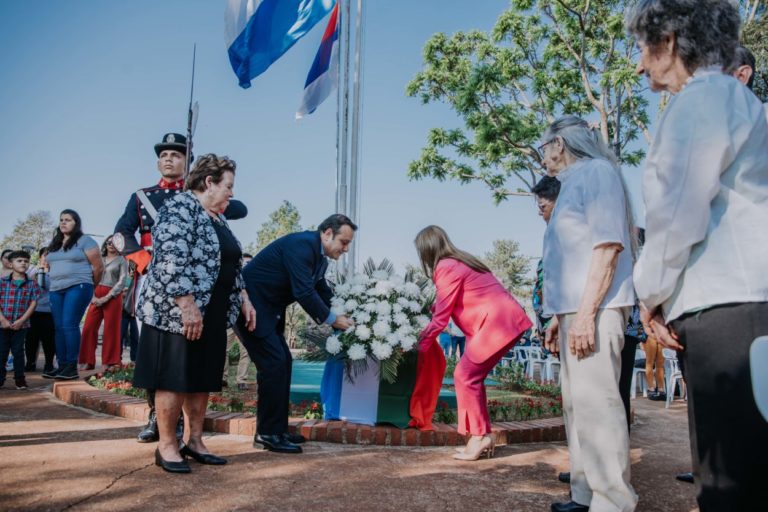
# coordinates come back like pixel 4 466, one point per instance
pixel 243 363
pixel 595 421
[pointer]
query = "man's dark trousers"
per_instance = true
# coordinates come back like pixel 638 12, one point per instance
pixel 273 360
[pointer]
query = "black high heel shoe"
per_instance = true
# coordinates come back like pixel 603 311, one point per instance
pixel 202 458
pixel 171 467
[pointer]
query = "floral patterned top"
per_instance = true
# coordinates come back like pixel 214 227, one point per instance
pixel 186 261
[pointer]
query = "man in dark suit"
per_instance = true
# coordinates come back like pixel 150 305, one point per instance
pixel 290 269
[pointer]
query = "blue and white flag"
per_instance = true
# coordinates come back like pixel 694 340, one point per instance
pixel 324 73
pixel 260 31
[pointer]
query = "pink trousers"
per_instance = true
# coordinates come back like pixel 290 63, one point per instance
pixel 469 380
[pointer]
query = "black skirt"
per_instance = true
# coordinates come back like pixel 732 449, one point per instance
pixel 170 362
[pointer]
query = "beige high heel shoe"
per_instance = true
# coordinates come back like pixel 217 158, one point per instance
pixel 486 446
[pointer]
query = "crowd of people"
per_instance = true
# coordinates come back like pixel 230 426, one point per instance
pixel 692 281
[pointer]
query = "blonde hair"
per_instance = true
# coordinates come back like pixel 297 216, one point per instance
pixel 432 245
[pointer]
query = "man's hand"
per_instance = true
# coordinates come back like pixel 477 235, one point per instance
pixel 191 318
pixel 581 335
pixel 249 314
pixel 17 325
pixel 655 325
pixel 4 323
pixel 552 335
pixel 343 323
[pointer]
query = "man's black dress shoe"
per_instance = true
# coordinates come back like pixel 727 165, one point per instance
pixel 564 477
pixel 571 506
pixel 202 458
pixel 276 443
pixel 685 477
pixel 294 438
pixel 171 467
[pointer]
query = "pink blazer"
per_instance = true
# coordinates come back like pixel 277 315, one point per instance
pixel 479 305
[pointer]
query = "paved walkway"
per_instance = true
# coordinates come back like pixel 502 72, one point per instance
pixel 57 457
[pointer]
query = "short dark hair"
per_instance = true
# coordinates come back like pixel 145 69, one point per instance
pixel 335 222
pixel 247 255
pixel 42 250
pixel 208 165
pixel 548 187
pixel 743 57
pixel 6 251
pixel 19 254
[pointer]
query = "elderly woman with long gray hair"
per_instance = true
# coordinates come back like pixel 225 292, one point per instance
pixel 702 274
pixel 588 257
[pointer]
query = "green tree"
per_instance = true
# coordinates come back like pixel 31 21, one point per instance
pixel 541 60
pixel 511 268
pixel 36 230
pixel 283 221
pixel 753 36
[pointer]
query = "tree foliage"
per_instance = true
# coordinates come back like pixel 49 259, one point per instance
pixel 36 230
pixel 541 60
pixel 753 36
pixel 510 267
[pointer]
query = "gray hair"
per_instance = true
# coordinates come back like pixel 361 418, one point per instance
pixel 585 142
pixel 706 31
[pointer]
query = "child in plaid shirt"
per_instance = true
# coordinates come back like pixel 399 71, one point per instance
pixel 18 297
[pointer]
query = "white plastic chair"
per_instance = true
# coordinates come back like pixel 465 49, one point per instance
pixel 535 359
pixel 550 364
pixel 639 355
pixel 674 375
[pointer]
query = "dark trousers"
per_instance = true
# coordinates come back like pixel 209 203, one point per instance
pixel 13 342
pixel 129 334
pixel 729 437
pixel 273 361
pixel 458 342
pixel 627 367
pixel 41 330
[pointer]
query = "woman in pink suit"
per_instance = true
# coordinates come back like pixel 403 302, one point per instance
pixel 484 310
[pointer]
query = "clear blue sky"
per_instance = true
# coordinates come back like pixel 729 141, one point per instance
pixel 90 86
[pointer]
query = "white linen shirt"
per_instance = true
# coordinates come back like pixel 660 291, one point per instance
pixel 705 188
pixel 590 211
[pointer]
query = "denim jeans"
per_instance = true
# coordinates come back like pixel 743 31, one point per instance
pixel 13 342
pixel 458 342
pixel 129 334
pixel 68 307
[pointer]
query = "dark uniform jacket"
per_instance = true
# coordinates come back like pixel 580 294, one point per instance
pixel 290 269
pixel 136 218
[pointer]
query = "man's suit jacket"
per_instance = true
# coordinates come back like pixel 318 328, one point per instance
pixel 290 269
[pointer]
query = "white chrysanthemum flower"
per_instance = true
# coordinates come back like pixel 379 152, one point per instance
pixel 422 320
pixel 380 275
pixel 333 345
pixel 350 329
pixel 342 289
pixel 337 301
pixel 358 289
pixel 370 307
pixel 403 302
pixel 414 306
pixel 381 350
pixel 411 290
pixel 362 317
pixel 383 308
pixel 397 308
pixel 393 339
pixel 403 331
pixel 356 352
pixel 363 332
pixel 400 318
pixel 351 305
pixel 338 310
pixel 381 329
pixel 359 279
pixel 408 342
pixel 383 288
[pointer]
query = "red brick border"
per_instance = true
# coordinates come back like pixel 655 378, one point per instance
pixel 83 394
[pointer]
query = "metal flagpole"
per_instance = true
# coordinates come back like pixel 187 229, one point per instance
pixel 191 115
pixel 355 149
pixel 342 118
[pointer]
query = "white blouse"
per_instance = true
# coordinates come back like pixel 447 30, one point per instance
pixel 705 187
pixel 590 211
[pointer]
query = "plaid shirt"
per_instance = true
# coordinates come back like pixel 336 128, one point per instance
pixel 15 299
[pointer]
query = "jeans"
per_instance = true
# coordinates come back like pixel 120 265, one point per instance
pixel 12 341
pixel 41 330
pixel 68 307
pixel 458 342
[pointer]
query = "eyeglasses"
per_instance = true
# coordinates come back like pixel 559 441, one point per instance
pixel 540 149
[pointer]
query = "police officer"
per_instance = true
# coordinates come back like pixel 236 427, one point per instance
pixel 140 214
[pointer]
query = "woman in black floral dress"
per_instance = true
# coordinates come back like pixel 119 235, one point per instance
pixel 192 293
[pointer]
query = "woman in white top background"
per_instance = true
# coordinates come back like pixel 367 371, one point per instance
pixel 702 273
